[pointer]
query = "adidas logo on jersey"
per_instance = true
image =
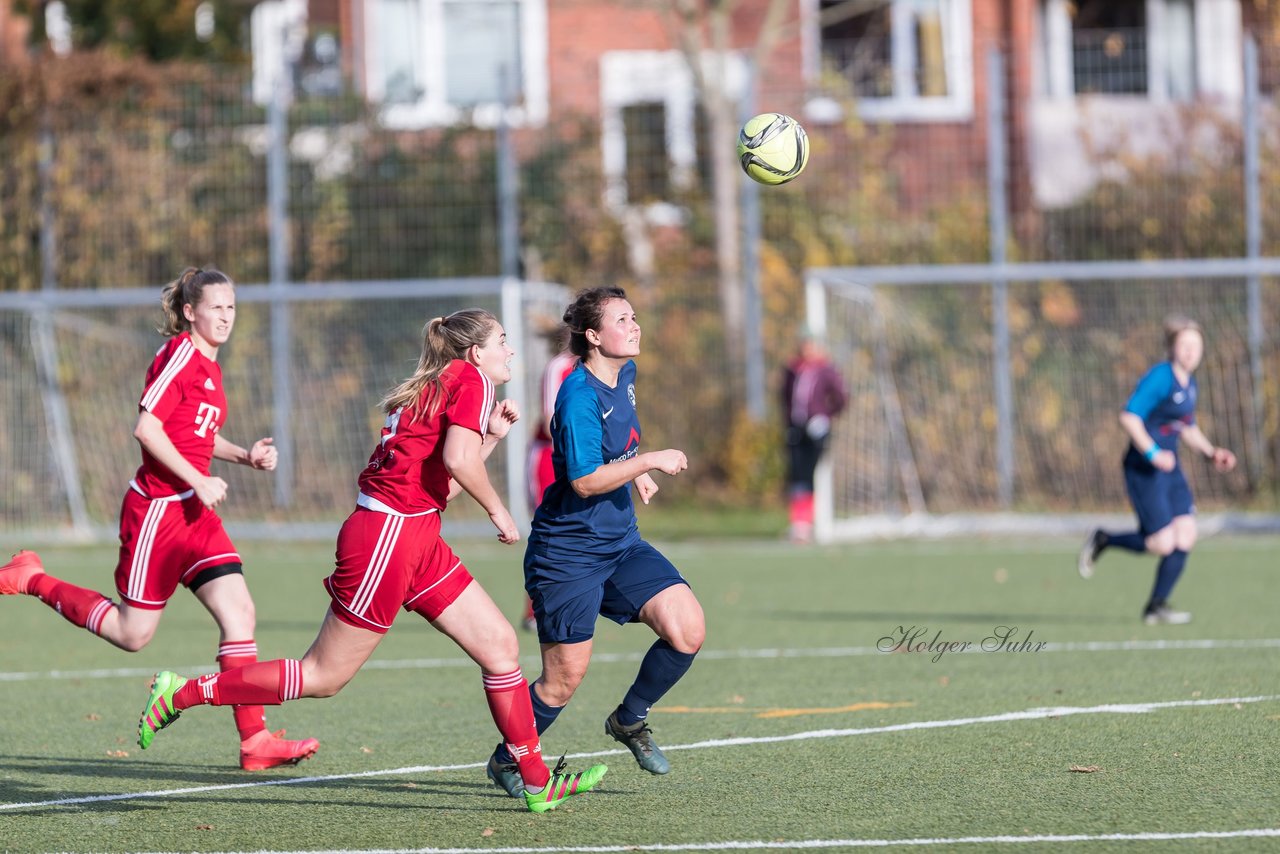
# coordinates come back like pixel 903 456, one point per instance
pixel 208 384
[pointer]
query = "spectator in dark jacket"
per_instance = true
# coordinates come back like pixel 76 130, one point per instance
pixel 813 393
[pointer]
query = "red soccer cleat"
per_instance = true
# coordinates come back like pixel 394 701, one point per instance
pixel 269 750
pixel 16 575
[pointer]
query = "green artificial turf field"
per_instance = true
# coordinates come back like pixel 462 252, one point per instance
pixel 1085 730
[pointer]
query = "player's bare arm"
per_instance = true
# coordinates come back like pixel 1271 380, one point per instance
pixel 646 487
pixel 262 455
pixel 1223 460
pixel 504 415
pixel 1137 432
pixel 610 476
pixel 464 460
pixel 149 431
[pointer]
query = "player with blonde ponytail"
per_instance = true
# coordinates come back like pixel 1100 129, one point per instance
pixel 169 532
pixel 442 423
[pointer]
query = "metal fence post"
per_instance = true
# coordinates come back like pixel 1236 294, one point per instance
pixel 1253 249
pixel 998 222
pixel 278 259
pixel 750 199
pixel 511 306
pixel 508 184
pixel 44 344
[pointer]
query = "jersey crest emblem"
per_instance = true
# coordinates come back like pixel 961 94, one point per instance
pixel 631 393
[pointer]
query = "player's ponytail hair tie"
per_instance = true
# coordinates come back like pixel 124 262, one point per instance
pixel 443 340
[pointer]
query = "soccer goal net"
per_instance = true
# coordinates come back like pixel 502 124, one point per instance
pixel 307 365
pixel 986 399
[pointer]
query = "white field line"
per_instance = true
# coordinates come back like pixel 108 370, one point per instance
pixel 705 655
pixel 1026 715
pixel 817 844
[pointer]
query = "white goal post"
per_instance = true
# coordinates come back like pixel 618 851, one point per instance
pixel 984 397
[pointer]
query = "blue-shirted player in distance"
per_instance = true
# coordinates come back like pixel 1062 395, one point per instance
pixel 1162 410
pixel 585 557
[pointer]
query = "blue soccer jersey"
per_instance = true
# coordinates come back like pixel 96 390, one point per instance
pixel 593 425
pixel 1166 408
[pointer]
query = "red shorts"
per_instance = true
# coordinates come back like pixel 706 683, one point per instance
pixel 385 562
pixel 164 543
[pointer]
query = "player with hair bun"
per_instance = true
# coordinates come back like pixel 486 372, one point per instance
pixel 585 556
pixel 169 532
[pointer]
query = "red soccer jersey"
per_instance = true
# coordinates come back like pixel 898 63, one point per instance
pixel 184 390
pixel 406 474
pixel 553 375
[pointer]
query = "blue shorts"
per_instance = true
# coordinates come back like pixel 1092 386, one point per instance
pixel 1158 497
pixel 613 585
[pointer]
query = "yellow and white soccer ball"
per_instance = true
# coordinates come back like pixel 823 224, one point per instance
pixel 773 148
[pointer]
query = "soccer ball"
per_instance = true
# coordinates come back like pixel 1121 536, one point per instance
pixel 773 148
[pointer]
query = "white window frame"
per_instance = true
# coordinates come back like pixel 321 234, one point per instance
pixel 433 108
pixel 633 77
pixel 1218 50
pixel 905 105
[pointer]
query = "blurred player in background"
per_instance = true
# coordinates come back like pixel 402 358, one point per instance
pixel 169 532
pixel 442 423
pixel 542 472
pixel 1162 410
pixel 585 557
pixel 813 393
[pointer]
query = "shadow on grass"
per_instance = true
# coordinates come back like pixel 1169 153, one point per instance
pixel 159 784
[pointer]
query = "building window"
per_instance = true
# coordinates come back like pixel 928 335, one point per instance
pixel 652 127
pixel 1109 47
pixel 432 62
pixel 1164 50
pixel 903 59
pixel 645 129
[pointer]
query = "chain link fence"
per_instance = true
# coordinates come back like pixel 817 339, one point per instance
pixel 117 176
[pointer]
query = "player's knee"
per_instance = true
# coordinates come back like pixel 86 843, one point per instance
pixel 558 690
pixel 688 639
pixel 687 628
pixel 500 651
pixel 1161 543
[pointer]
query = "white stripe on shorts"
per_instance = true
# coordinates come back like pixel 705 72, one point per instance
pixel 382 552
pixel 140 565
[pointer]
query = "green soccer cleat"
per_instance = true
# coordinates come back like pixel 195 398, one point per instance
pixel 505 776
pixel 159 712
pixel 562 787
pixel 639 740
